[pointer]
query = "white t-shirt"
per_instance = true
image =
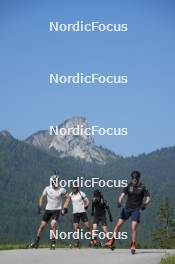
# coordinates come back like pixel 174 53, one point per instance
pixel 78 202
pixel 54 197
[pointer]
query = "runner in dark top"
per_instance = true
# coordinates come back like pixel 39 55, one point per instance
pixel 99 208
pixel 137 199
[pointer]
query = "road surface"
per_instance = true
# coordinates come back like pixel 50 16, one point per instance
pixel 82 256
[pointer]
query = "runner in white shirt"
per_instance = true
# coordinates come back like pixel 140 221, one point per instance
pixel 78 201
pixel 54 195
pixel 80 204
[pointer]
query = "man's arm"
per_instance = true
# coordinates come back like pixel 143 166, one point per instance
pixel 86 203
pixel 67 202
pixel 85 199
pixel 109 211
pixel 93 207
pixel 41 202
pixel 147 200
pixel 64 210
pixel 120 199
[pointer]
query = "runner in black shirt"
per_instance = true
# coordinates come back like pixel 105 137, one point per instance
pixel 99 208
pixel 137 199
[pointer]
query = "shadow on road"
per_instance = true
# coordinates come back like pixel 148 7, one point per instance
pixel 153 252
pixel 139 252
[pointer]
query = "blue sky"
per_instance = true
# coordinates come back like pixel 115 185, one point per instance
pixel 29 52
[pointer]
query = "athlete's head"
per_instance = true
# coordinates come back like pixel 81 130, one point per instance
pixel 135 175
pixel 75 186
pixel 97 194
pixel 54 180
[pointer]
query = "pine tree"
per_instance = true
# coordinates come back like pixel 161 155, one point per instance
pixel 164 234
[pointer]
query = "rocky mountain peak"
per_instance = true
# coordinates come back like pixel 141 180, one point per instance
pixel 5 133
pixel 72 143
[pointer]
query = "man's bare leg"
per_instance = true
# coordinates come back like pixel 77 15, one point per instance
pixel 133 243
pixel 35 243
pixel 53 226
pixel 76 228
pixel 115 232
pixel 41 228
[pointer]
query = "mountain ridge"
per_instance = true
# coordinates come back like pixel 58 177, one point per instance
pixel 25 170
pixel 79 146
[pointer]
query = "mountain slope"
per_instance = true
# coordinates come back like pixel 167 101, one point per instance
pixel 25 171
pixel 77 145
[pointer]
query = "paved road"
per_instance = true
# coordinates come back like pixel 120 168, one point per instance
pixel 82 256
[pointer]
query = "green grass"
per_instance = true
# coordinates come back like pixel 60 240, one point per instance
pixel 168 260
pixel 23 246
pixel 12 246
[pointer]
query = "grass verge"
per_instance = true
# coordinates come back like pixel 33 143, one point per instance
pixel 168 260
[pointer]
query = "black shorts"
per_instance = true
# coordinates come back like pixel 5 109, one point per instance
pixel 100 219
pixel 80 216
pixel 51 214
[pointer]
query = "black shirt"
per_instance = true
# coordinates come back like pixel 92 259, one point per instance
pixel 136 195
pixel 99 207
